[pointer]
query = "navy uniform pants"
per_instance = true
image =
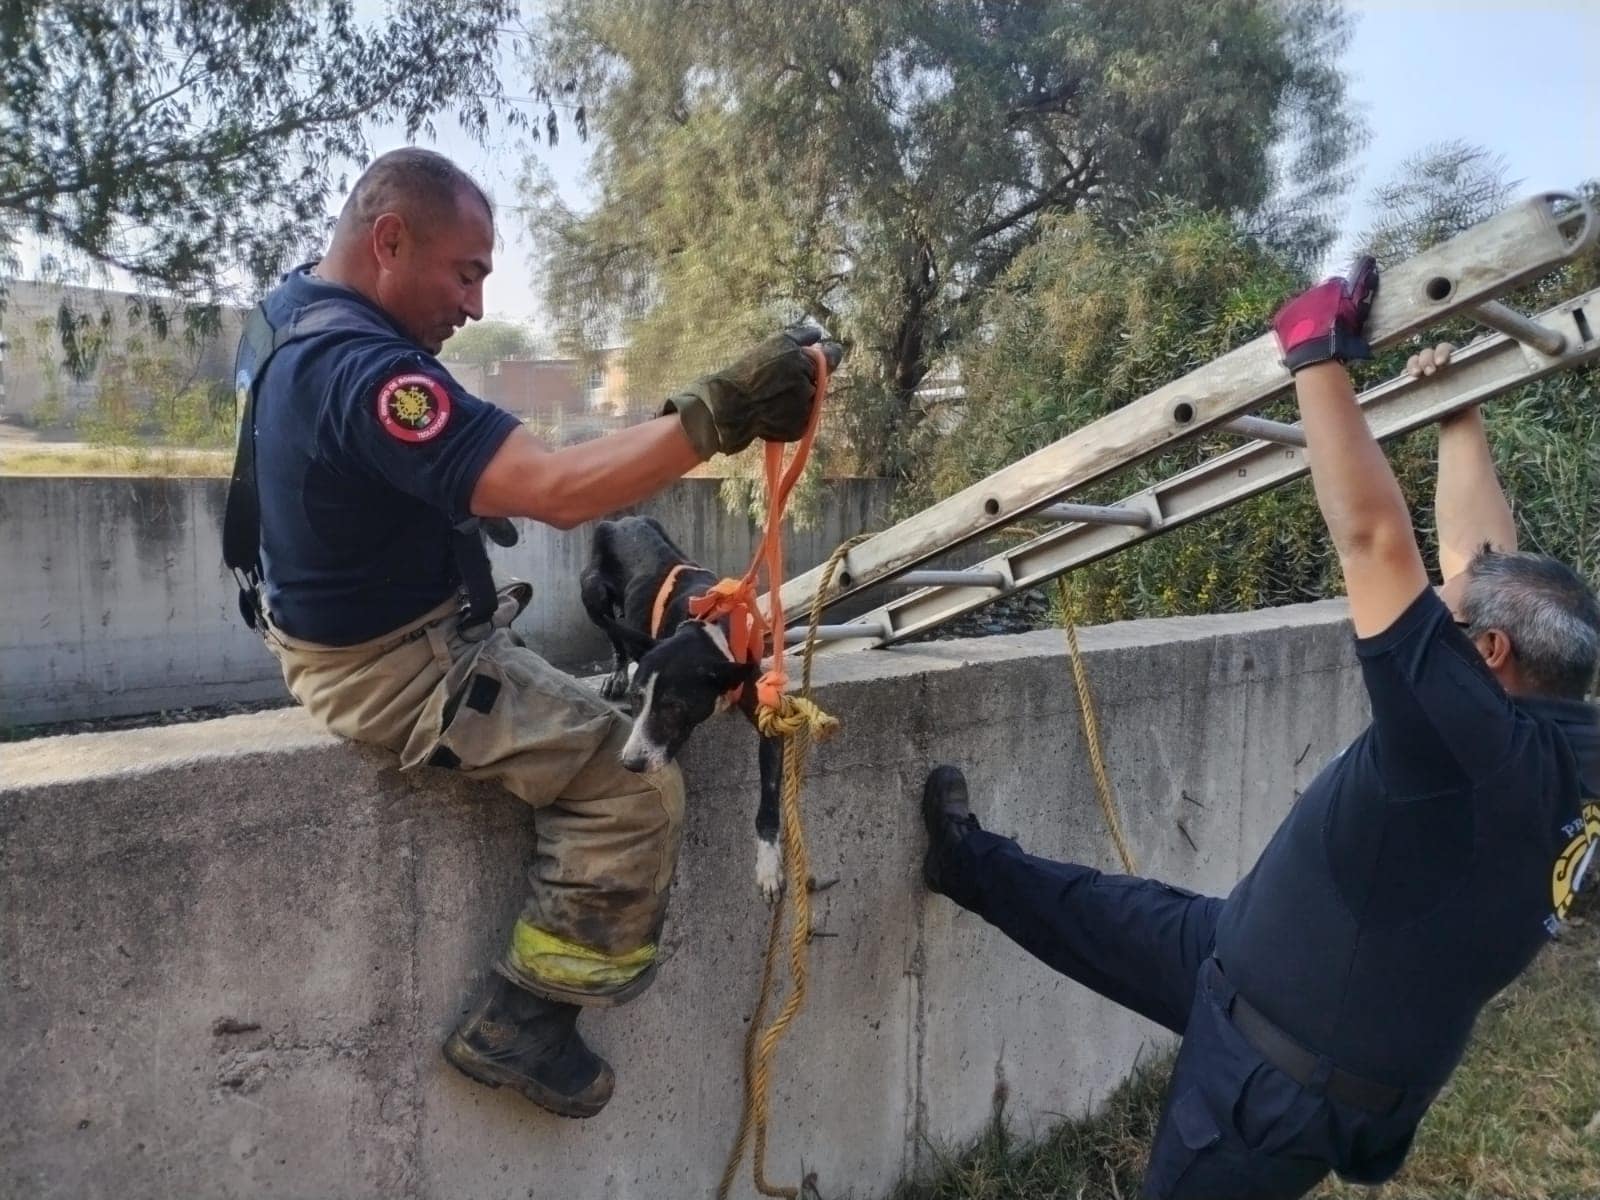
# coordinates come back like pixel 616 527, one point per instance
pixel 1233 1126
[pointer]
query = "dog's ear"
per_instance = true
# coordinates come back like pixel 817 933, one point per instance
pixel 635 641
pixel 728 675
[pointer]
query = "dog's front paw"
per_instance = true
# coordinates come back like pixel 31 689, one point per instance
pixel 615 687
pixel 769 870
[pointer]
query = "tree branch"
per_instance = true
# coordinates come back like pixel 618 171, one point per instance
pixel 1056 99
pixel 1050 195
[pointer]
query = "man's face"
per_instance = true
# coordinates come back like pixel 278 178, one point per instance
pixel 430 280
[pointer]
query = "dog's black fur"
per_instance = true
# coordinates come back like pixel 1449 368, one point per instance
pixel 683 675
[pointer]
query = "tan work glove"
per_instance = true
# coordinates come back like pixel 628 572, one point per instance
pixel 766 394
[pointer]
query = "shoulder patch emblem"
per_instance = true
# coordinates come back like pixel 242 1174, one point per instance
pixel 414 408
pixel 1576 858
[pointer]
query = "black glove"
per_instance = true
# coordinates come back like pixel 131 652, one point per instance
pixel 1327 321
pixel 766 394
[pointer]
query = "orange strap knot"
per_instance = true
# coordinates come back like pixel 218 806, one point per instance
pixel 735 599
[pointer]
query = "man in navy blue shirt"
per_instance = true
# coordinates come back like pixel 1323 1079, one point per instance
pixel 364 470
pixel 1325 1002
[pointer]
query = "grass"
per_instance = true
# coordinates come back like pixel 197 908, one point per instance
pixel 140 460
pixel 1519 1121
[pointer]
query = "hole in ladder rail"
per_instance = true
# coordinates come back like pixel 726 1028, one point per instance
pixel 992 506
pixel 1581 319
pixel 1438 288
pixel 1183 413
pixel 846 579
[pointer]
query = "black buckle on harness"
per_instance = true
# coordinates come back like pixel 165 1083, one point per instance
pixel 479 598
pixel 250 607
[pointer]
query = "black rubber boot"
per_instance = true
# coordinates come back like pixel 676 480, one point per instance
pixel 531 1044
pixel 948 818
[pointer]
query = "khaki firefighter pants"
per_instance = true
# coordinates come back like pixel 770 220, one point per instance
pixel 493 709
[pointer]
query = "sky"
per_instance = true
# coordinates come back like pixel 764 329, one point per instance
pixel 1518 77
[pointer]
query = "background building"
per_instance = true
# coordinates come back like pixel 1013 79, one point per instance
pixel 37 388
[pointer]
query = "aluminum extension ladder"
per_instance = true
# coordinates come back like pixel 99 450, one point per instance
pixel 1462 275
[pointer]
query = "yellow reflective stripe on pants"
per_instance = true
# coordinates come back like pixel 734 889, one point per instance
pixel 547 956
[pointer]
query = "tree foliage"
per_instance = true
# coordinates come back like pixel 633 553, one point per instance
pixel 1088 320
pixel 877 167
pixel 181 141
pixel 1435 194
pixel 489 341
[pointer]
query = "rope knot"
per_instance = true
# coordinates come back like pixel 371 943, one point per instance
pixel 794 715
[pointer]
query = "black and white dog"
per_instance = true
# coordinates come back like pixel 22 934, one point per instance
pixel 637 588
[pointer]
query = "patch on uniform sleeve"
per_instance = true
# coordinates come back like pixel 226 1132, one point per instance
pixel 1583 836
pixel 414 407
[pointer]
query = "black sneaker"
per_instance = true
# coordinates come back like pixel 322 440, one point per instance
pixel 948 819
pixel 533 1045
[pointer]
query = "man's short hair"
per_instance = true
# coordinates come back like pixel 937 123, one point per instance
pixel 1546 609
pixel 422 186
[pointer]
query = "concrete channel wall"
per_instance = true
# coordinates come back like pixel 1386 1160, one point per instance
pixel 114 600
pixel 229 950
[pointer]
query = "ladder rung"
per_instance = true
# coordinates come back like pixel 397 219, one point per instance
pixel 987 579
pixel 1514 325
pixel 1098 514
pixel 1267 431
pixel 854 631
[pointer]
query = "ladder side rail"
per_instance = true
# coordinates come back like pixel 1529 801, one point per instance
pixel 1511 248
pixel 1480 371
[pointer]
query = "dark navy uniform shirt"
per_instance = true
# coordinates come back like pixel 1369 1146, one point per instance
pixel 367 451
pixel 1425 866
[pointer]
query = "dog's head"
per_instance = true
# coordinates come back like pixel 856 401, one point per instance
pixel 680 681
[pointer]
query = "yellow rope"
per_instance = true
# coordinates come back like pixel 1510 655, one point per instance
pixel 1091 731
pixel 798 722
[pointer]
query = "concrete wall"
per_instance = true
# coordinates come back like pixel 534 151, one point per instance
pixel 114 600
pixel 229 950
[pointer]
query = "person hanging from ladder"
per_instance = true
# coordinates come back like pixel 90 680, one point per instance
pixel 354 525
pixel 1325 1002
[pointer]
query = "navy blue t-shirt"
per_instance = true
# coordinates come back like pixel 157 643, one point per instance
pixel 367 451
pixel 1425 866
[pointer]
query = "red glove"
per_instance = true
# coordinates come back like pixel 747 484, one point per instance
pixel 1327 321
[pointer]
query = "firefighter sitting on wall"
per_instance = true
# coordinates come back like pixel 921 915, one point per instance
pixel 353 523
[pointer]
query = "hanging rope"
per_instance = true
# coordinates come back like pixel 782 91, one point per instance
pixel 797 721
pixel 800 726
pixel 1091 730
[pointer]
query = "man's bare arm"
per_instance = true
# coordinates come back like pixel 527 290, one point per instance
pixel 769 393
pixel 1470 505
pixel 567 487
pixel 1360 499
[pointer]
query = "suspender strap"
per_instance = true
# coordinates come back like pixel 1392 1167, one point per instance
pixel 477 579
pixel 241 520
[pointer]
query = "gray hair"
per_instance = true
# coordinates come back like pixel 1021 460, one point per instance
pixel 422 186
pixel 1546 609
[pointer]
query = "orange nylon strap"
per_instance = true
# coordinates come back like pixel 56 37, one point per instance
pixel 659 612
pixel 736 598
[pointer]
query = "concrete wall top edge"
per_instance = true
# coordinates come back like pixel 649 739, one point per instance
pixel 75 758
